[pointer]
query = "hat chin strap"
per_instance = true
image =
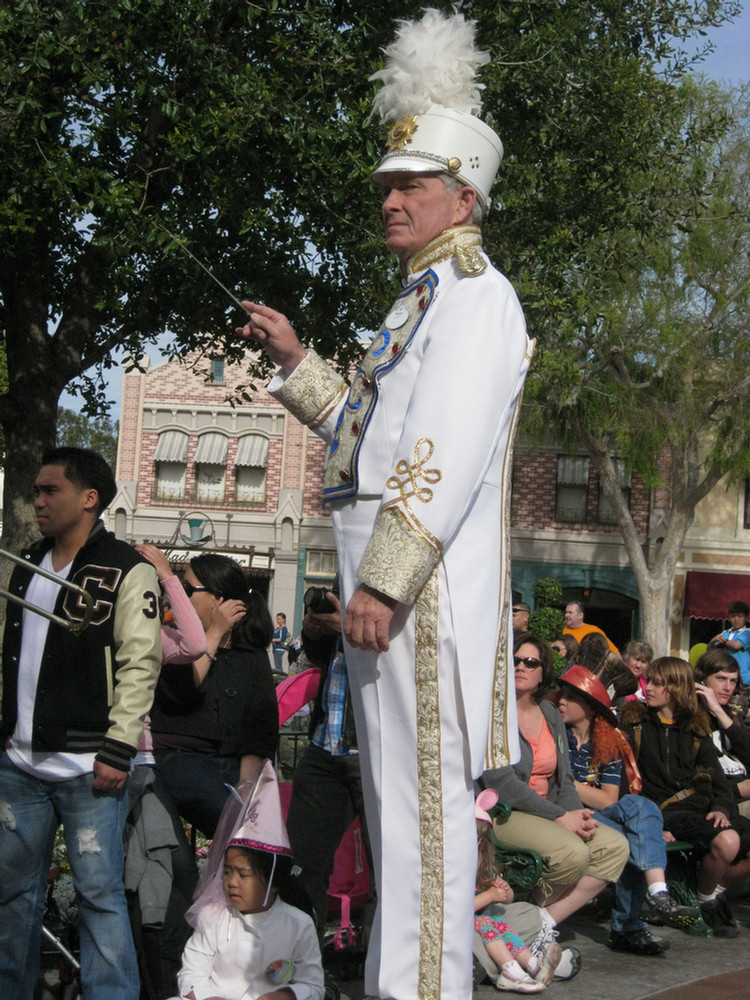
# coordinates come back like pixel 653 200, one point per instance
pixel 270 882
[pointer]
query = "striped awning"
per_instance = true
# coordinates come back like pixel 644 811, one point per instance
pixel 172 446
pixel 252 450
pixel 211 450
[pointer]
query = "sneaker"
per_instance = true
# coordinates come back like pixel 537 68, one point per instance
pixel 640 942
pixel 550 959
pixel 570 964
pixel 546 936
pixel 522 984
pixel 662 908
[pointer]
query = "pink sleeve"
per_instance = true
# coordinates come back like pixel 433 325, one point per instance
pixel 187 641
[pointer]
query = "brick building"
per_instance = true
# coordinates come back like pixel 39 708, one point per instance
pixel 563 527
pixel 198 474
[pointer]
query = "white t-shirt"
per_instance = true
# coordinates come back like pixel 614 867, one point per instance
pixel 51 766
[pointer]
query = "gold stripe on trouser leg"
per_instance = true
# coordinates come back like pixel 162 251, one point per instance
pixel 498 748
pixel 430 790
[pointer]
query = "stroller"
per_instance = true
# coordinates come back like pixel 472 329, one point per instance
pixel 58 937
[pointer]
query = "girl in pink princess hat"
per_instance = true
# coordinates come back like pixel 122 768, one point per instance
pixel 252 941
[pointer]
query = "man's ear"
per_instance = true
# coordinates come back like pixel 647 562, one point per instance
pixel 91 500
pixel 467 197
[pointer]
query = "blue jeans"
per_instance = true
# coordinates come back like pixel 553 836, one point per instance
pixel 197 784
pixel 640 820
pixel 31 809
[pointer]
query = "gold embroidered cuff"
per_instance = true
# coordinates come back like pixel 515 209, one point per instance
pixel 312 391
pixel 396 561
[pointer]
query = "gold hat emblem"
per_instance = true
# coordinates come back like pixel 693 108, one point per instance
pixel 402 132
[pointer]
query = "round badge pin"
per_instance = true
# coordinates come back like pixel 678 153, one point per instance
pixel 280 971
pixel 397 317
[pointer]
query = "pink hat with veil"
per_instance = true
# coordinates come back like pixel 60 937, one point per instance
pixel 261 824
pixel 251 818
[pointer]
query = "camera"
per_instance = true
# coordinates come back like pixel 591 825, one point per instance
pixel 315 599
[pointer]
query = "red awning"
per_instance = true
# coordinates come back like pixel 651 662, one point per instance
pixel 708 595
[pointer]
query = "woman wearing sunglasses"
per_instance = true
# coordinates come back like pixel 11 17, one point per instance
pixel 580 856
pixel 215 721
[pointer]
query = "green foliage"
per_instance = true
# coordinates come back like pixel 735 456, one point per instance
pixel 547 592
pixel 546 620
pixel 655 361
pixel 79 431
pixel 243 132
pixel 547 623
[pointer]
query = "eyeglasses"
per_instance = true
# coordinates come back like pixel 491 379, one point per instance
pixel 516 610
pixel 528 661
pixel 190 589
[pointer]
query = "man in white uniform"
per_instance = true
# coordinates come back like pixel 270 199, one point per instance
pixel 418 483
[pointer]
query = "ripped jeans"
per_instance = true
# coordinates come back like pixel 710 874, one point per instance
pixel 31 809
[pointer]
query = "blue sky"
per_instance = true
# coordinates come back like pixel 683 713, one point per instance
pixel 729 63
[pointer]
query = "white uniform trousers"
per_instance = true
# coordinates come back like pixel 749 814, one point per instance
pixel 418 789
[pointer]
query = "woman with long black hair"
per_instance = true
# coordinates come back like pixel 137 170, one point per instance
pixel 215 721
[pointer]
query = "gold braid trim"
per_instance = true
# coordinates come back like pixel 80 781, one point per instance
pixel 498 749
pixel 464 243
pixel 430 791
pixel 397 561
pixel 312 392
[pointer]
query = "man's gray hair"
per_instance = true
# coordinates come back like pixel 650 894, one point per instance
pixel 452 185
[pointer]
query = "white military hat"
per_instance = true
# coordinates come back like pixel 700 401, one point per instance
pixel 444 140
pixel 431 92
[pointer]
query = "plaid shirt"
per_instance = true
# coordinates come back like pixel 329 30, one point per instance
pixel 328 732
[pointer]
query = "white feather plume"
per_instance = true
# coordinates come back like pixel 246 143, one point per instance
pixel 430 62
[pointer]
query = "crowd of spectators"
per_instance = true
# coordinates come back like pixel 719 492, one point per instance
pixel 621 754
pixel 654 747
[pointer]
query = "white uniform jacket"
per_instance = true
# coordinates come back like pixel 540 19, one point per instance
pixel 426 431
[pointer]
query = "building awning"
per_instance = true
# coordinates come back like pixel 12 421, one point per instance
pixel 211 450
pixel 172 446
pixel 252 450
pixel 708 595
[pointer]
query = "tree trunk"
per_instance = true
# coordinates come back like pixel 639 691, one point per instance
pixel 27 435
pixel 654 580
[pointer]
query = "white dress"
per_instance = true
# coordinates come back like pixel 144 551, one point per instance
pixel 418 480
pixel 242 956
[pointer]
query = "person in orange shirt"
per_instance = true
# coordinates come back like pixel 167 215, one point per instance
pixel 575 625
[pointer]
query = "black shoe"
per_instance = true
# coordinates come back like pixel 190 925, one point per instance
pixel 719 918
pixel 662 908
pixel 641 942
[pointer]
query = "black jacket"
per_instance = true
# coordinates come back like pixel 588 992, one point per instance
pixel 95 688
pixel 676 757
pixel 234 710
